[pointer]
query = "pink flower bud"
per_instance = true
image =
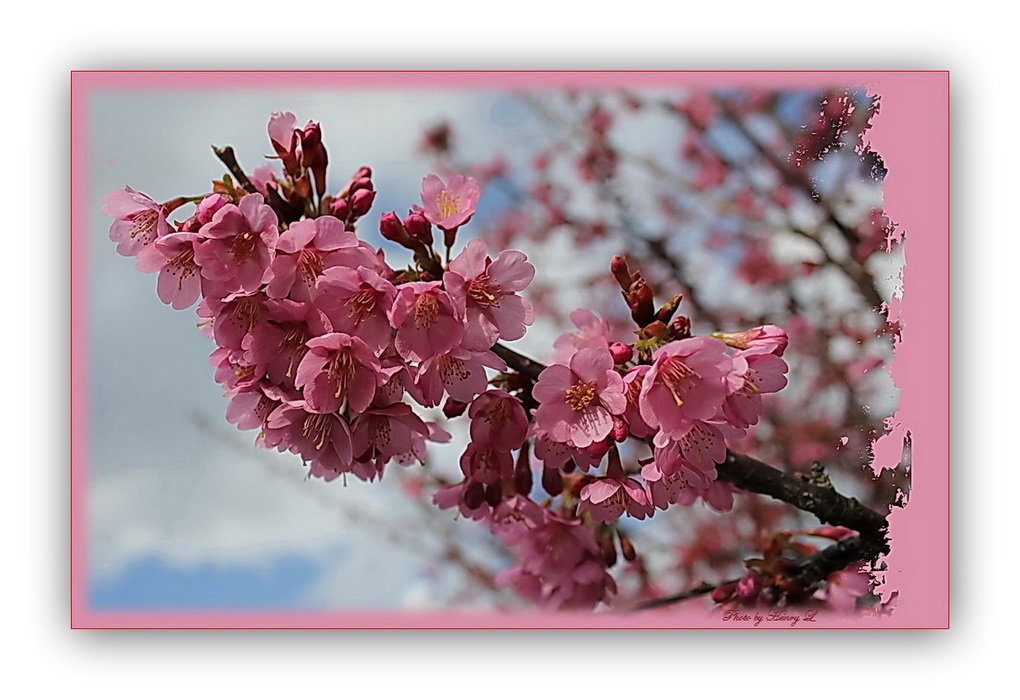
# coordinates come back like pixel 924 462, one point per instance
pixel 339 208
pixel 620 429
pixel 621 353
pixel 724 593
pixel 454 408
pixel 474 495
pixel 749 586
pixel 597 450
pixel 392 230
pixel 680 328
pixel 361 202
pixel 418 228
pixel 552 481
pixel 363 183
pixel 209 206
pixel 618 266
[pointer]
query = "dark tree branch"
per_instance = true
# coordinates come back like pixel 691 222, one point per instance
pixel 226 155
pixel 827 504
pixel 753 475
pixel 699 590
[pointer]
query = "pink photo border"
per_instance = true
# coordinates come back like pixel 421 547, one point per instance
pixel 910 133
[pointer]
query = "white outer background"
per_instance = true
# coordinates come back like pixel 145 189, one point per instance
pixel 45 42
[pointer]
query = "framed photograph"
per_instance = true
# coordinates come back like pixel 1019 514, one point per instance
pixel 510 349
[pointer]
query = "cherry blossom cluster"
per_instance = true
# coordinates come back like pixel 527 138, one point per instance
pixel 323 347
pixel 319 341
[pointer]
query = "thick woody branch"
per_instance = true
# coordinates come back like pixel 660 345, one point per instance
pixel 753 475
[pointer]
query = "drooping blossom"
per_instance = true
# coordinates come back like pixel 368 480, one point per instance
pixel 449 205
pixel 577 402
pixel 322 438
pixel 765 374
pixel 498 421
pixel 383 432
pixel 173 257
pixel 608 499
pixel 279 344
pixel 303 251
pixel 337 368
pixel 234 317
pixel 458 373
pixel 239 244
pixel 426 320
pixel 487 289
pixel 140 221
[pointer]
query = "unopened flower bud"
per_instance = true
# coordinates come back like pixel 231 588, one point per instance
pixel 392 230
pixel 209 206
pixel 654 329
pixel 618 266
pixel 522 472
pixel 639 299
pixel 608 551
pixel 340 209
pixel 474 495
pixel 621 353
pixel 620 429
pixel 418 228
pixel 626 546
pixel 832 532
pixel 597 450
pixel 454 408
pixel 363 183
pixel 749 586
pixel 680 328
pixel 361 202
pixel 494 494
pixel 363 171
pixel 552 481
pixel 724 593
pixel 666 311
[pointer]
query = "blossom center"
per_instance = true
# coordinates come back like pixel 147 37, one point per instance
pixel 448 202
pixel 310 264
pixel 316 428
pixel 678 378
pixel 243 246
pixel 426 311
pixel 341 370
pixel 452 369
pixel 183 266
pixel 483 292
pixel 143 224
pixel 293 346
pixel 361 305
pixel 580 395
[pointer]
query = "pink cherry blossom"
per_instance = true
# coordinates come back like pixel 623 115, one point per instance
pixel 765 374
pixel 279 344
pixel 498 421
pixel 762 339
pixel 426 319
pixel 338 368
pixel 140 221
pixel 357 302
pixel 459 373
pixel 608 499
pixel 322 438
pixel 558 455
pixel 383 432
pixel 488 289
pixel 592 332
pixel 303 251
pixel 486 465
pixel 234 317
pixel 173 256
pixel 687 382
pixel 239 245
pixel 577 402
pixel 449 205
